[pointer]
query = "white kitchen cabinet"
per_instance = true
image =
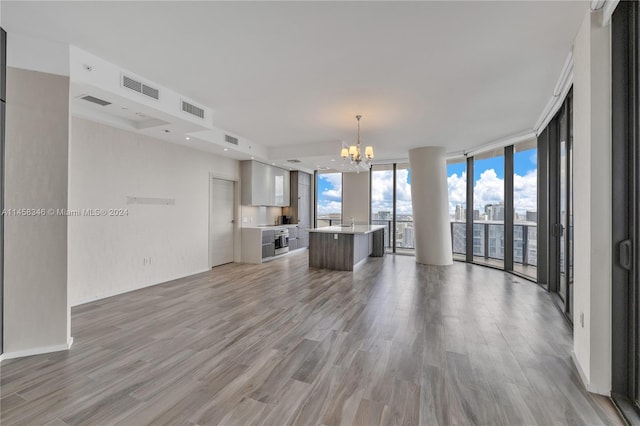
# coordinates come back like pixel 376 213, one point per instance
pixel 264 185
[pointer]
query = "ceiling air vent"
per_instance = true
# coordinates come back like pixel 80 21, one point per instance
pixel 150 91
pixel 192 109
pixel 95 100
pixel 293 161
pixel 140 87
pixel 231 139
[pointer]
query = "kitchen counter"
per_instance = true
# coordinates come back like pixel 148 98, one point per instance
pixel 288 225
pixel 342 247
pixel 348 229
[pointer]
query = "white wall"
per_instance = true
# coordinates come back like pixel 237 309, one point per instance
pixel 592 203
pixel 36 314
pixel 355 198
pixel 106 254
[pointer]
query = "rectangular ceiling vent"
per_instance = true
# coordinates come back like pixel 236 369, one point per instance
pixel 192 109
pixel 293 161
pixel 95 100
pixel 231 139
pixel 140 87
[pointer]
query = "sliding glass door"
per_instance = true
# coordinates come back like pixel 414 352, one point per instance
pixel 457 187
pixel 328 199
pixel 525 208
pixel 561 209
pixel 391 205
pixel 383 200
pixel 625 293
pixel 488 208
pixel 405 242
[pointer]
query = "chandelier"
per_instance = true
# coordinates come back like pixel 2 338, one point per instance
pixel 354 153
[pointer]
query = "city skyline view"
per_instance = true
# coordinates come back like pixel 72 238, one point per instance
pixel 488 187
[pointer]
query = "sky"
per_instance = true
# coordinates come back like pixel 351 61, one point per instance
pixel 488 186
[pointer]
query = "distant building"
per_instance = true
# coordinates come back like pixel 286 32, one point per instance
pixel 384 215
pixel 461 213
pixel 532 216
pixel 494 212
pixel 407 237
pixel 476 215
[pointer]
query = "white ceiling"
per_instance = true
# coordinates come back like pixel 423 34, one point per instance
pixel 454 74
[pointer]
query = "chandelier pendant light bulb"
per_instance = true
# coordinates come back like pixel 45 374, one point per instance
pixel 354 153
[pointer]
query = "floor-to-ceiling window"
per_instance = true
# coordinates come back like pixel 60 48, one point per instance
pixel 404 209
pixel 329 199
pixel 625 259
pixel 488 208
pixel 457 187
pixel 525 206
pixel 382 200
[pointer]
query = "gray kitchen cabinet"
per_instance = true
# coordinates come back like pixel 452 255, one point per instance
pixel 293 244
pixel 264 185
pixel 268 236
pixel 300 206
pixel 268 250
pixel 293 232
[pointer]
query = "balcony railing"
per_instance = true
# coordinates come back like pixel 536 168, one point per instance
pixel 321 223
pixel 404 233
pixel 488 241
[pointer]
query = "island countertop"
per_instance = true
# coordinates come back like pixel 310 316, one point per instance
pixel 348 229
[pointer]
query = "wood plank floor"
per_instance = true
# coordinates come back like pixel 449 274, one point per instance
pixel 279 343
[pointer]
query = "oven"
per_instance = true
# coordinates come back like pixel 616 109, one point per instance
pixel 281 241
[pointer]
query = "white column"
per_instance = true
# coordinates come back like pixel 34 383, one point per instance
pixel 592 204
pixel 429 197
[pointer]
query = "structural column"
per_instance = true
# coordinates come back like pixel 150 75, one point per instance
pixel 429 196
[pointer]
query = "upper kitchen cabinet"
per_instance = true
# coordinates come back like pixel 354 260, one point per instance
pixel 264 185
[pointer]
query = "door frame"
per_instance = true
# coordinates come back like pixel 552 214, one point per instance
pixel 236 213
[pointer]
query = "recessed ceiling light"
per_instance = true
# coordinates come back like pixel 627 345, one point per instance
pixel 187 138
pixel 273 164
pixel 333 159
pixel 226 149
pixel 252 158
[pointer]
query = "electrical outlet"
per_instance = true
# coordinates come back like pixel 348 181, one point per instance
pixel 582 319
pixel 335 236
pixel 144 261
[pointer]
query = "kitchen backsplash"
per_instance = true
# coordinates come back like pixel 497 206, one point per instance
pixel 254 216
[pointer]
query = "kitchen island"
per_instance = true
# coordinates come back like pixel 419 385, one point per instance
pixel 342 247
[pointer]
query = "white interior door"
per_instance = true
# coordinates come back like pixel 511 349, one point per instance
pixel 221 222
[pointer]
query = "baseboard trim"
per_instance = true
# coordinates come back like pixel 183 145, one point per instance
pixel 37 351
pixel 583 377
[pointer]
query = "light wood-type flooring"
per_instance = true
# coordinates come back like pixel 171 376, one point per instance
pixel 391 343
